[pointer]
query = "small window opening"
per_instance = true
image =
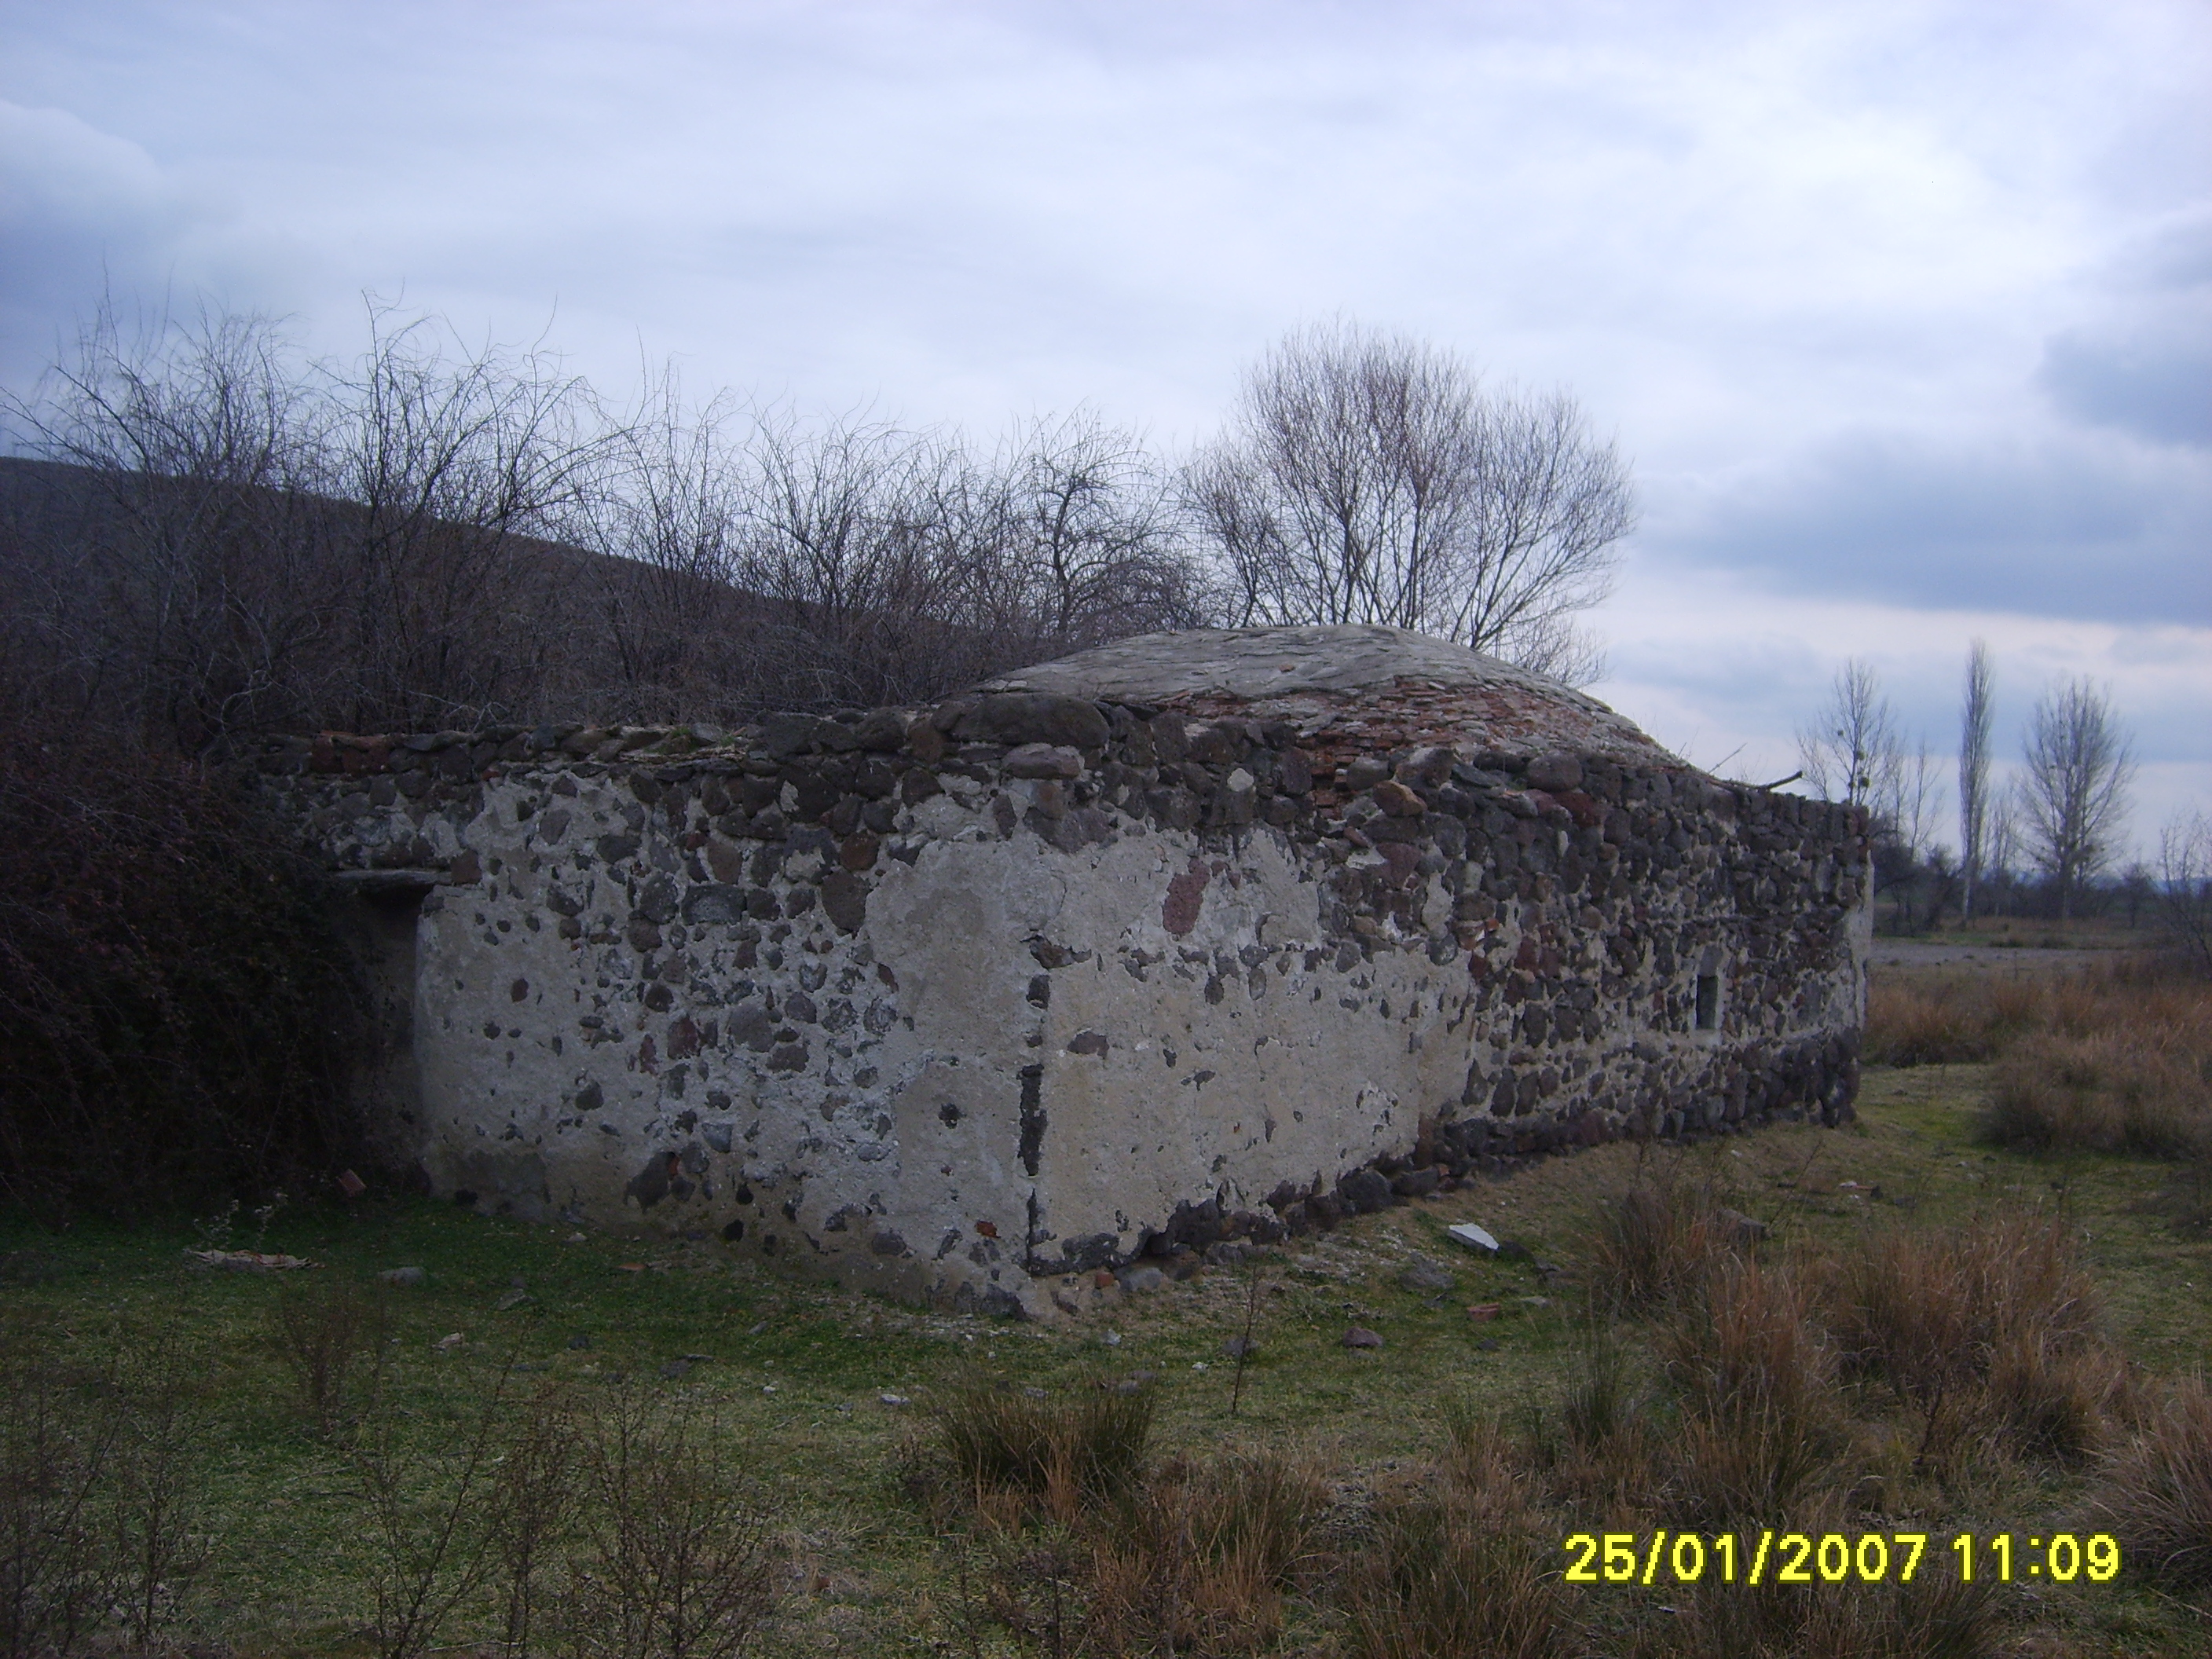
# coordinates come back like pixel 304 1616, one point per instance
pixel 1709 1002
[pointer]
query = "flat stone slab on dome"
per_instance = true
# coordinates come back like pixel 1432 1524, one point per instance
pixel 1252 663
pixel 1304 673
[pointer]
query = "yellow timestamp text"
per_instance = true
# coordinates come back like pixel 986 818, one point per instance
pixel 1833 1558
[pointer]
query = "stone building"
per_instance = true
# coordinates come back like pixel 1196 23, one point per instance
pixel 1195 935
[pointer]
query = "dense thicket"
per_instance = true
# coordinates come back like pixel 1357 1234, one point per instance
pixel 176 1007
pixel 207 534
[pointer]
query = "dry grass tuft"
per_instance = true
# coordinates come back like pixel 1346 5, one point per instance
pixel 1659 1240
pixel 1935 1616
pixel 1996 1320
pixel 1762 1427
pixel 2118 1059
pixel 2156 1492
pixel 1198 1562
pixel 1085 1447
pixel 2052 1398
pixel 1931 1019
pixel 1438 1577
pixel 1923 1017
pixel 2124 1090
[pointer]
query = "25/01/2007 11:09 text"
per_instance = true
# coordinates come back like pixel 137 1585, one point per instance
pixel 1796 1558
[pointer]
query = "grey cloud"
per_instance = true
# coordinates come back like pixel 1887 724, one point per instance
pixel 79 209
pixel 2158 387
pixel 2147 367
pixel 2088 528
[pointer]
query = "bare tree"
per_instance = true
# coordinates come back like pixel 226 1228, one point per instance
pixel 2184 886
pixel 259 540
pixel 2001 852
pixel 897 565
pixel 2073 794
pixel 852 527
pixel 1368 477
pixel 1852 752
pixel 1091 541
pixel 1913 802
pixel 1976 713
pixel 220 536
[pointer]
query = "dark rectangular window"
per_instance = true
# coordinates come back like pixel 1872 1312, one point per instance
pixel 1709 1002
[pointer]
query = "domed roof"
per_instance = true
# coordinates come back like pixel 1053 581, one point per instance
pixel 1388 685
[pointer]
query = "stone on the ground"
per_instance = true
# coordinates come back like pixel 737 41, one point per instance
pixel 1424 1275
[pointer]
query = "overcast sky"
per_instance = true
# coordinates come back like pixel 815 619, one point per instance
pixel 1903 313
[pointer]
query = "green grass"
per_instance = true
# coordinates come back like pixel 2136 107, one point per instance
pixel 792 1374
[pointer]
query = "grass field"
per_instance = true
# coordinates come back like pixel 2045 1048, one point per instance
pixel 313 1460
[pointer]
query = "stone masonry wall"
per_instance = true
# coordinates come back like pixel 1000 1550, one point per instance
pixel 969 1002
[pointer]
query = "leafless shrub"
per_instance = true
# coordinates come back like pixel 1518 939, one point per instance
pixel 174 1004
pixel 429 1518
pixel 327 1337
pixel 55 1453
pixel 676 1563
pixel 533 1523
pixel 155 1489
